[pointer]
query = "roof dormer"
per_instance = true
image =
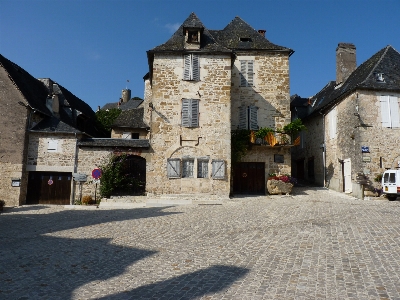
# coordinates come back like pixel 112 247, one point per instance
pixel 192 37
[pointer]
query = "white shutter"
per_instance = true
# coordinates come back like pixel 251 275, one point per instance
pixel 348 188
pixel 332 123
pixel 243 117
pixel 394 111
pixel 195 67
pixel 253 117
pixel 243 69
pixel 187 68
pixel 173 168
pixel 186 112
pixel 385 111
pixel 250 73
pixel 218 169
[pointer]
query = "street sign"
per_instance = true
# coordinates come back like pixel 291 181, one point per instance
pixel 96 173
pixel 79 177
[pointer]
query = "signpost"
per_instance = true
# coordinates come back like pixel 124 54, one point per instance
pixel 96 174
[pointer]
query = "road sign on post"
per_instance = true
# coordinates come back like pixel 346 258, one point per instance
pixel 96 173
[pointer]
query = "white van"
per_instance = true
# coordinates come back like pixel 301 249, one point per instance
pixel 391 184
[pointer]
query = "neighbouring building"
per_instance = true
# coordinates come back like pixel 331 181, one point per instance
pixel 41 122
pixel 353 123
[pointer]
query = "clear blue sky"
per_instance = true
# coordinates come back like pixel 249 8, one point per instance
pixel 92 47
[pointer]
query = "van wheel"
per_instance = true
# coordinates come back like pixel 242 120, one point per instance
pixel 391 197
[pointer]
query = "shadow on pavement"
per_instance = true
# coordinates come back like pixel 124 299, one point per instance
pixel 187 286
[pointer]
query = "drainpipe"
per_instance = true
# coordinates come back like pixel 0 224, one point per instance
pixel 71 200
pixel 323 146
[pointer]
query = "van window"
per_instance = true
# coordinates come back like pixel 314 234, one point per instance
pixel 389 178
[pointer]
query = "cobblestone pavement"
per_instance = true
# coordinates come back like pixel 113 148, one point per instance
pixel 315 244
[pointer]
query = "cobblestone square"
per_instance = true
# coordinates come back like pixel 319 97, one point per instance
pixel 314 244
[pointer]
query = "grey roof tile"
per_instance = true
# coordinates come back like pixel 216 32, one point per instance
pixel 132 118
pixel 131 143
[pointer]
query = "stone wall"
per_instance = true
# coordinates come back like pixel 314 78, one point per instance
pixel 13 124
pixel 169 139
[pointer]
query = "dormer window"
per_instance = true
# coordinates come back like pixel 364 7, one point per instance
pixel 193 36
pixel 245 39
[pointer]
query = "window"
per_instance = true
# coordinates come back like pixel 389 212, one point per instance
pixel 202 168
pixel 190 112
pixel 187 167
pixel 174 168
pixel 193 36
pixel 333 123
pixel 135 135
pixel 191 69
pixel 52 146
pixel 246 73
pixel 390 112
pixel 126 135
pixel 218 169
pixel 248 118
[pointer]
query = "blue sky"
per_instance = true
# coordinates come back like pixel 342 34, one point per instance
pixel 93 47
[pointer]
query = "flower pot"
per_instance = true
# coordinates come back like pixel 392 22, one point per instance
pixel 278 187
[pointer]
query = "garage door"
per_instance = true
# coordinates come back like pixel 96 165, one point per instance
pixel 249 178
pixel 49 188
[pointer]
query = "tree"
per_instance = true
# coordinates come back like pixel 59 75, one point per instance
pixel 105 119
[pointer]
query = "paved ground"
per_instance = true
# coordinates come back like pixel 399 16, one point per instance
pixel 316 244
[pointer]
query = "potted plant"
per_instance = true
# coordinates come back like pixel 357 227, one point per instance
pixel 280 184
pixel 294 127
pixel 263 132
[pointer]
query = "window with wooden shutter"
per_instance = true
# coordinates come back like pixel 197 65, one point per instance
pixel 248 117
pixel 218 169
pixel 390 111
pixel 173 168
pixel 191 68
pixel 246 73
pixel 190 112
pixel 202 168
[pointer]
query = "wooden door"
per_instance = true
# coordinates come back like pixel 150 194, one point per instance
pixel 49 188
pixel 348 188
pixel 249 178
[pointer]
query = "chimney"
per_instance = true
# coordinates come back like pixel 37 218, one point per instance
pixel 126 95
pixel 262 32
pixel 345 61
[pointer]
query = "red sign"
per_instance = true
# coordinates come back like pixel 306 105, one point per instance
pixel 96 173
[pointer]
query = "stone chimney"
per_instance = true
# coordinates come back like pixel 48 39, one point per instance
pixel 262 32
pixel 345 61
pixel 126 95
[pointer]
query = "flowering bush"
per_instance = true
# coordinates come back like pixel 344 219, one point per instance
pixel 284 178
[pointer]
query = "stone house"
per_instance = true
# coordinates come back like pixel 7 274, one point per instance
pixel 201 85
pixel 41 122
pixel 353 123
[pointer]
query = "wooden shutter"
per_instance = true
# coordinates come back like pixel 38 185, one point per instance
pixel 195 67
pixel 243 69
pixel 385 111
pixel 194 113
pixel 173 168
pixel 218 169
pixel 250 73
pixel 348 188
pixel 394 111
pixel 187 68
pixel 186 112
pixel 253 117
pixel 243 117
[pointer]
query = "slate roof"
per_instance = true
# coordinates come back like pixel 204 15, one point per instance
pixel 131 143
pixel 33 90
pixel 225 40
pixel 132 103
pixel 177 40
pixel 238 29
pixel 386 61
pixel 132 118
pixel 53 124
